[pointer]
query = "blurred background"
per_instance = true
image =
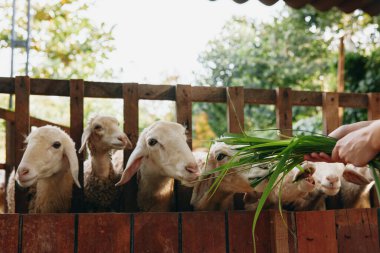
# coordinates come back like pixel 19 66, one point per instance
pixel 198 42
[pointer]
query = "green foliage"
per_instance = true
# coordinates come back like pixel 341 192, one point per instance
pixel 64 42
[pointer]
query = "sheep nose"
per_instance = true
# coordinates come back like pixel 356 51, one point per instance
pixel 332 179
pixel 23 171
pixel 124 139
pixel 192 168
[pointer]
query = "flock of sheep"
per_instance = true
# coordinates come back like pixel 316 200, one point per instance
pixel 49 168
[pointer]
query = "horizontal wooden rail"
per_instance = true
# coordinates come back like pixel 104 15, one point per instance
pixel 348 231
pixel 10 116
pixel 2 166
pixel 168 92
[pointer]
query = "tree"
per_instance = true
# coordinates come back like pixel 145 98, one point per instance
pixel 64 42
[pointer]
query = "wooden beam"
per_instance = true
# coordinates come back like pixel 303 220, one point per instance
pixel 235 109
pixel 330 112
pixel 284 111
pixel 76 131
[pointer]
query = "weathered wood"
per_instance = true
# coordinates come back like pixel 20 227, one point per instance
pixel 284 111
pixel 235 109
pixel 353 100
pixel 209 94
pixel 199 237
pixel 330 112
pixel 131 128
pixel 279 231
pixel 182 194
pixel 11 116
pixel 48 233
pixel 22 127
pixel 157 92
pixel 373 106
pixel 104 233
pixel 10 143
pixel 76 131
pixel 240 232
pixel 306 98
pixel 9 227
pixel 357 230
pixel 156 232
pixel 260 96
pixel 316 232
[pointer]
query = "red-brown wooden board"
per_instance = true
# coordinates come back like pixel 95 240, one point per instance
pixel 104 233
pixel 48 233
pixel 76 131
pixel 203 232
pixel 240 232
pixel 9 226
pixel 330 101
pixel 22 127
pixel 284 111
pixel 316 232
pixel 155 232
pixel 131 128
pixel 357 230
pixel 282 231
pixel 235 112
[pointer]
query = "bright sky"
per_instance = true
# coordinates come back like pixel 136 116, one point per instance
pixel 157 38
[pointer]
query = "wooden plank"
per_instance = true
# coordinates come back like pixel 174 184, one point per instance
pixel 48 232
pixel 316 232
pixel 330 111
pixel 9 226
pixel 182 194
pixel 22 127
pixel 199 237
pixel 76 131
pixel 284 111
pixel 357 230
pixel 208 94
pixel 373 106
pixel 131 128
pixel 240 232
pixel 235 109
pixel 156 232
pixel 260 96
pixel 279 231
pixel 2 166
pixel 11 116
pixel 104 233
pixel 157 92
pixel 353 100
pixel 306 98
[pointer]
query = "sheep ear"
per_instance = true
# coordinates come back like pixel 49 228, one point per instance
pixel 73 162
pixel 86 134
pixel 133 165
pixel 200 190
pixel 352 176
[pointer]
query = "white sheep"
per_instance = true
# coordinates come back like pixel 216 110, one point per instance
pixel 294 185
pixel 48 167
pixel 356 186
pixel 102 170
pixel 161 154
pixel 2 191
pixel 236 181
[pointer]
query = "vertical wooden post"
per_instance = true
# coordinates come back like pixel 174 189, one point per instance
pixel 22 128
pixel 330 111
pixel 341 75
pixel 373 114
pixel 184 117
pixel 284 111
pixel 76 131
pixel 235 124
pixel 10 134
pixel 235 109
pixel 131 128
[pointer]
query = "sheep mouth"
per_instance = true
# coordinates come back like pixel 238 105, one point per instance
pixel 26 182
pixel 118 145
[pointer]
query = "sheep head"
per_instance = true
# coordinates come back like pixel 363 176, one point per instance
pixel 49 150
pixel 103 134
pixel 163 146
pixel 328 177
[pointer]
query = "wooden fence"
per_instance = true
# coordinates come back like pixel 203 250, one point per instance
pixel 183 231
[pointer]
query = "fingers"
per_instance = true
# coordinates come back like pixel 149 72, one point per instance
pixel 318 157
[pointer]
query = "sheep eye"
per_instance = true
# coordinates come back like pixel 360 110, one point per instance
pixel 98 127
pixel 152 142
pixel 220 157
pixel 56 145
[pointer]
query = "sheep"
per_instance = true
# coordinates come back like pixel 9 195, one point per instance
pixel 2 191
pixel 161 154
pixel 102 170
pixel 48 167
pixel 356 185
pixel 237 181
pixel 289 188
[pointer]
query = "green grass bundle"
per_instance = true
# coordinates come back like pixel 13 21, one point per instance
pixel 279 156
